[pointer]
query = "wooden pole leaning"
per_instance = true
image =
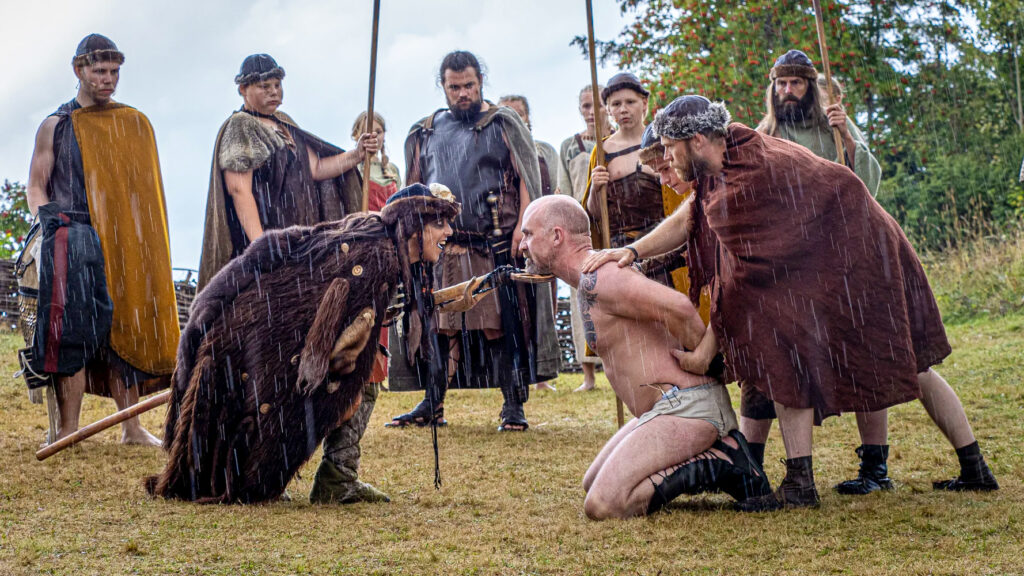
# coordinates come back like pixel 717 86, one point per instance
pixel 369 104
pixel 101 425
pixel 602 192
pixel 823 44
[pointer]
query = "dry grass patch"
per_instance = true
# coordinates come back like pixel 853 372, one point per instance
pixel 511 503
pixel 982 278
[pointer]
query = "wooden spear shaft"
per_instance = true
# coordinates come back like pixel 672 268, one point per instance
pixel 823 44
pixel 369 104
pixel 101 425
pixel 602 198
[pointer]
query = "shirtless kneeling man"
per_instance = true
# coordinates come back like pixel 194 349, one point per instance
pixel 683 439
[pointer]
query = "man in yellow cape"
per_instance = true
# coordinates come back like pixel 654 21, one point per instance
pixel 96 160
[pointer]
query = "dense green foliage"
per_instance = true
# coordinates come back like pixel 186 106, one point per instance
pixel 15 218
pixel 933 84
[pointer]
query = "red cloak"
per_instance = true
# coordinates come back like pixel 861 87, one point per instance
pixel 818 298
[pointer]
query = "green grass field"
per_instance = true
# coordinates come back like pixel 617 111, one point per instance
pixel 511 503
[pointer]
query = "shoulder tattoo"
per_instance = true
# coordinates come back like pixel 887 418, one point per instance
pixel 587 296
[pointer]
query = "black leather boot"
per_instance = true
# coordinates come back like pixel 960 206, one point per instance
pixel 757 451
pixel 514 391
pixel 797 489
pixel 742 479
pixel 873 475
pixel 975 475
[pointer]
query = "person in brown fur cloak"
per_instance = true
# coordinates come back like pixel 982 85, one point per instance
pixel 269 173
pixel 275 353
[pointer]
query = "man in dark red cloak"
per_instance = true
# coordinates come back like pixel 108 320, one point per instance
pixel 817 297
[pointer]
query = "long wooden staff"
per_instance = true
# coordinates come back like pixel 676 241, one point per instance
pixel 602 198
pixel 101 425
pixel 823 44
pixel 369 105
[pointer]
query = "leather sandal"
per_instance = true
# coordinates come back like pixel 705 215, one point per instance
pixel 420 417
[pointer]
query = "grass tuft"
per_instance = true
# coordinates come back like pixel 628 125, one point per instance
pixel 983 278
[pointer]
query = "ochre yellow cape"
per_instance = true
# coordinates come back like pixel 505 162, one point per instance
pixel 127 208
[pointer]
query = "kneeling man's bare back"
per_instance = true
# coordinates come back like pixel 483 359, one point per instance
pixel 683 438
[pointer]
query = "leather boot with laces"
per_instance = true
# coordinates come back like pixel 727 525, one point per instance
pixel 874 473
pixel 797 489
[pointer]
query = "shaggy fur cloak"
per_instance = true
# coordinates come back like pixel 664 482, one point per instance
pixel 274 356
pixel 244 144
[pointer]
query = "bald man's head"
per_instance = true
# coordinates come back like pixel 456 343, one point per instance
pixel 552 227
pixel 563 212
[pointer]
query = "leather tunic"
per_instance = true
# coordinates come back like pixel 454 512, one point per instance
pixel 634 203
pixel 472 163
pixel 67 180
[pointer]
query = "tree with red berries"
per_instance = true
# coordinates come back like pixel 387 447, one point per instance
pixel 15 218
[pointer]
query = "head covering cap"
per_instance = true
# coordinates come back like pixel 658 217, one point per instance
pixel 96 48
pixel 794 63
pixel 257 68
pixel 650 146
pixel 689 115
pixel 623 81
pixel 418 200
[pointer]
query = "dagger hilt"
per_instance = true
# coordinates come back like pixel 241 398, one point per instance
pixel 492 201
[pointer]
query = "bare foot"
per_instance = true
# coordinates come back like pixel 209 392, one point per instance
pixel 585 387
pixel 140 437
pixel 546 386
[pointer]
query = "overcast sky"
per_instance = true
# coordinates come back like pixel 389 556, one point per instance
pixel 181 59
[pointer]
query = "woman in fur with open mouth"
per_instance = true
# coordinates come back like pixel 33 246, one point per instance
pixel 282 340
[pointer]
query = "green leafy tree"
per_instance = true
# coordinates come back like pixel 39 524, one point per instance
pixel 927 80
pixel 15 218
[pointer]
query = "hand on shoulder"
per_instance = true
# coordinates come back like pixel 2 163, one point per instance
pixel 623 256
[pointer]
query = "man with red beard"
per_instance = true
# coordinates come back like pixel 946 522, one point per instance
pixel 485 155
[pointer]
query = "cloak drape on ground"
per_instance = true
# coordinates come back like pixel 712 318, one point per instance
pixel 818 298
pixel 257 386
pixel 336 197
pixel 128 211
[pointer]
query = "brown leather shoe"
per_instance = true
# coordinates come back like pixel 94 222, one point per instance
pixel 797 489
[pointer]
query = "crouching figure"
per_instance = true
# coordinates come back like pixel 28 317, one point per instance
pixel 683 439
pixel 282 340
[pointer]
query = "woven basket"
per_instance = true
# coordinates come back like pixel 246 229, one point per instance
pixel 28 289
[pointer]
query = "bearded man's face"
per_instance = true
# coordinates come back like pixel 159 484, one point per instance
pixel 793 99
pixel 463 92
pixel 682 158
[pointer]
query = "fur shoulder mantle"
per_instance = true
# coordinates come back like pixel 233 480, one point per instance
pixel 246 143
